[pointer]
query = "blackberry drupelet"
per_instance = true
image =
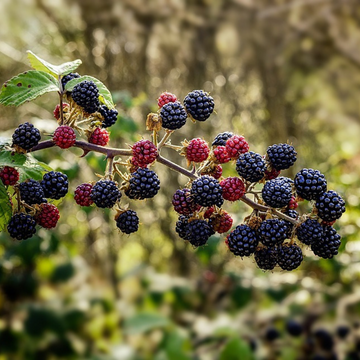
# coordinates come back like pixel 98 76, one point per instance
pixel 21 226
pixel 183 202
pixel 281 156
pixel 199 104
pixel 31 192
pixel 266 258
pixel 220 139
pixel 198 232
pixel 143 184
pixel 329 245
pixel 109 115
pixel 277 193
pixel 330 206
pixel 272 232
pixel 128 222
pixel 173 115
pixel 251 166
pixel 55 185
pixel 289 256
pixel 207 191
pixel 65 79
pixel 181 227
pixel 310 183
pixel 26 136
pixel 309 232
pixel 86 95
pixel 105 193
pixel 242 241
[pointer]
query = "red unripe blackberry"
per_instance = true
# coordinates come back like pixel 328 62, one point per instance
pixel 99 137
pixel 82 194
pixel 105 194
pixel 26 136
pixel 128 222
pixel 144 153
pixel 220 139
pixel 215 172
pixel 165 98
pixel 266 258
pixel 48 216
pixel 221 223
pixel 293 203
pixel 199 104
pixel 184 203
pixel 221 155
pixel 9 175
pixel 242 241
pixel 197 150
pixel 209 211
pixel 289 256
pixel 64 137
pixel 271 174
pixel 21 226
pixel 236 145
pixel 233 188
pixel 56 111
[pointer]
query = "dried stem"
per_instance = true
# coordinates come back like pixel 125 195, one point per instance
pixel 164 139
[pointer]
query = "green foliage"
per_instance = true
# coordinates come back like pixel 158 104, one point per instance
pixel 235 349
pixel 143 322
pixel 5 207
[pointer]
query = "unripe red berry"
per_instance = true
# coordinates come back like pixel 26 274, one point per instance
pixel 9 175
pixel 209 211
pixel 56 111
pixel 233 188
pixel 271 174
pixel 222 222
pixel 82 194
pixel 144 153
pixel 48 216
pixel 293 203
pixel 215 172
pixel 64 137
pixel 221 155
pixel 236 145
pixel 197 150
pixel 165 98
pixel 99 137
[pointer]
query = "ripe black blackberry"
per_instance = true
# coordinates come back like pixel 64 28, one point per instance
pixel 31 192
pixel 26 136
pixel 173 115
pixel 342 331
pixel 324 339
pixel 128 222
pixel 329 245
pixel 272 232
pixel 207 191
pixel 290 226
pixel 266 258
pixel 105 193
pixel 183 202
pixel 251 166
pixel 55 185
pixel 21 226
pixel 277 193
pixel 309 232
pixel 289 256
pixel 272 334
pixel 65 79
pixel 181 227
pixel 199 104
pixel 281 156
pixel 310 183
pixel 220 139
pixel 242 241
pixel 86 95
pixel 109 115
pixel 330 206
pixel 294 328
pixel 143 184
pixel 198 232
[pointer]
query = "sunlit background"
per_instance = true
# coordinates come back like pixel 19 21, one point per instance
pixel 278 71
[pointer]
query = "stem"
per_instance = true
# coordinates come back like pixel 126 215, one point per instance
pixel 155 138
pixel 175 167
pixel 61 109
pixel 165 138
pixel 109 167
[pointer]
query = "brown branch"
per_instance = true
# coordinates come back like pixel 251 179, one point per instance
pixel 175 167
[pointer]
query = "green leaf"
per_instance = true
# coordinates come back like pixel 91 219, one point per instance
pixel 56 70
pixel 5 207
pixel 8 158
pixel 235 349
pixel 144 322
pixel 105 95
pixel 26 87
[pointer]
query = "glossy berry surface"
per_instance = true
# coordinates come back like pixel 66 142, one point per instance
pixel 26 136
pixel 82 194
pixel 242 241
pixel 21 226
pixel 183 202
pixel 236 145
pixel 281 156
pixel 65 79
pixel 272 232
pixel 100 137
pixel 207 191
pixel 198 232
pixel 197 150
pixel 277 193
pixel 55 185
pixel 199 104
pixel 144 153
pixel 220 139
pixel 109 116
pixel 64 137
pixel 221 155
pixel 165 98
pixel 309 232
pixel 9 175
pixel 266 258
pixel 310 183
pixel 86 95
pixel 143 184
pixel 48 216
pixel 330 206
pixel 31 192
pixel 233 188
pixel 289 257
pixel 329 244
pixel 128 222
pixel 173 116
pixel 251 166
pixel 105 194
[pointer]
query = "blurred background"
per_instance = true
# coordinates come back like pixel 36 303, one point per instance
pixel 279 70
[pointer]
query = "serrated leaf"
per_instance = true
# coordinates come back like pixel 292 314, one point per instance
pixel 5 207
pixel 144 322
pixel 56 70
pixel 8 158
pixel 26 87
pixel 104 93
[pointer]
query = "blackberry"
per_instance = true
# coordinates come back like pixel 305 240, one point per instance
pixel 272 334
pixel 21 226
pixel 214 171
pixel 242 241
pixel 324 339
pixel 310 183
pixel 294 328
pixel 277 193
pixel 197 150
pixel 64 137
pixel 342 331
pixel 290 226
pixel 143 184
pixel 31 192
pixel 266 258
pixel 233 188
pixel 183 202
pixel 281 156
pixel 86 95
pixel 309 232
pixel 220 139
pixel 165 98
pixel 221 222
pixel 65 79
pixel 181 227
pixel 82 194
pixel 55 185
pixel 9 175
pixel 207 191
pixel 144 153
pixel 236 145
pixel 199 104
pixel 109 115
pixel 48 216
pixel 26 136
pixel 221 155
pixel 330 206
pixel 289 256
pixel 251 166
pixel 271 174
pixel 105 193
pixel 329 245
pixel 128 222
pixel 99 136
pixel 286 179
pixel 272 232
pixel 173 115
pixel 198 232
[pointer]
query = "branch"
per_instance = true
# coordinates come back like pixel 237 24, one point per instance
pixel 175 167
